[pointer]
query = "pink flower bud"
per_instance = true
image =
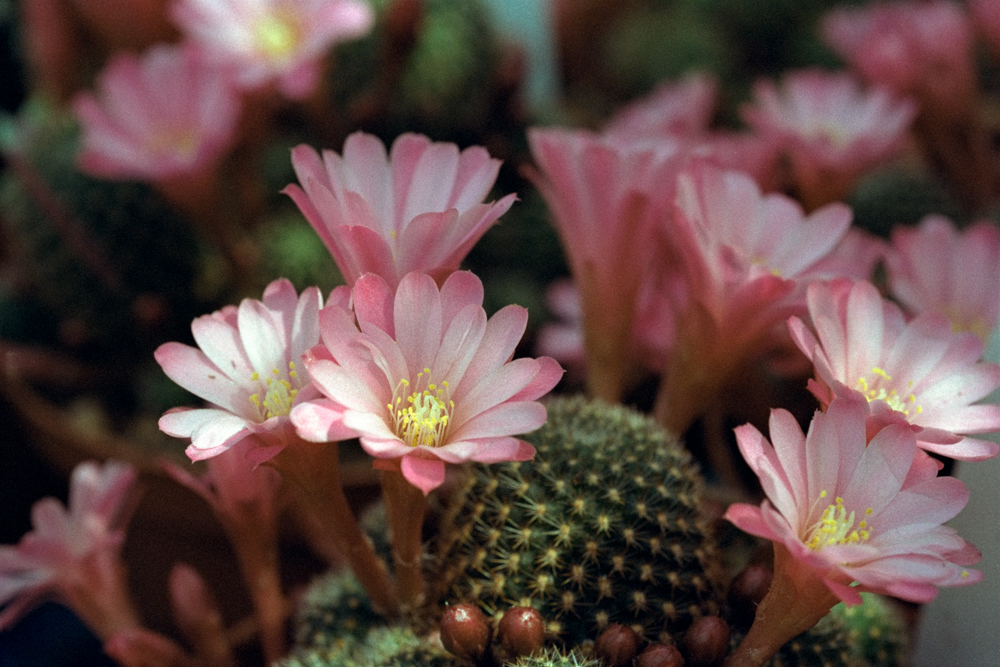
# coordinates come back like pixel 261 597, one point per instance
pixel 707 642
pixel 465 631
pixel 617 645
pixel 522 631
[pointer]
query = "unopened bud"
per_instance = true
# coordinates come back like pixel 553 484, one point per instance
pixel 745 593
pixel 465 631
pixel 522 631
pixel 617 645
pixel 660 655
pixel 707 642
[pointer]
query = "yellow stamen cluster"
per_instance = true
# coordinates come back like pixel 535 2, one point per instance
pixel 279 392
pixel 874 389
pixel 422 417
pixel 836 526
pixel 277 37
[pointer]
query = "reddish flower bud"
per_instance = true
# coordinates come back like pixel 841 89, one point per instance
pixel 706 642
pixel 747 590
pixel 522 631
pixel 660 655
pixel 465 631
pixel 617 645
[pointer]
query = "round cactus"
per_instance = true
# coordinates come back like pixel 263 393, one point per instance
pixel 554 657
pixel 335 612
pixel 385 646
pixel 602 527
pixel 876 630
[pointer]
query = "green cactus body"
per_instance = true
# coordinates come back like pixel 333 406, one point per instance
pixel 554 657
pixel 385 646
pixel 603 527
pixel 334 613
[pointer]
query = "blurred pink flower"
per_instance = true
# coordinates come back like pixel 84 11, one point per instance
pixel 562 338
pixel 425 379
pixel 922 49
pixel 937 268
pixel 675 108
pixel 919 369
pixel 72 553
pixel 831 129
pixel 249 366
pixel 263 40
pixel 854 511
pixel 164 114
pixel 855 256
pixel 418 209
pixel 745 258
pixel 607 197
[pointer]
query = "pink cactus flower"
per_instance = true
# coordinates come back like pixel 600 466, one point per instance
pixel 855 256
pixel 922 49
pixel 73 552
pixel 607 196
pixel 746 258
pixel 919 369
pixel 425 379
pixel 681 108
pixel 264 40
pixel 860 514
pixel 418 209
pixel 831 129
pixel 161 115
pixel 937 268
pixel 249 367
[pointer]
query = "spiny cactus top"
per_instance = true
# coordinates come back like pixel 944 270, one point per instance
pixel 603 527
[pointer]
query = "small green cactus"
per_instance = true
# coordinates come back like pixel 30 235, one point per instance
pixel 554 657
pixel 876 630
pixel 603 527
pixel 385 646
pixel 334 612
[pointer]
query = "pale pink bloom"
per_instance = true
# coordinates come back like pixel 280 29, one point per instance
pixel 163 114
pixel 418 209
pixel 937 268
pixel 745 258
pixel 856 511
pixel 608 197
pixel 831 129
pixel 249 367
pixel 915 48
pixel 681 108
pixel 425 379
pixel 986 17
pixel 562 338
pixel 855 256
pixel 919 369
pixel 754 154
pixel 70 549
pixel 264 40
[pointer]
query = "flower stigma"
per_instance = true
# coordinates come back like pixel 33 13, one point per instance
pixel 279 392
pixel 421 417
pixel 874 389
pixel 836 526
pixel 277 37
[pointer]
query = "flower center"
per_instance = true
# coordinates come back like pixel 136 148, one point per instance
pixel 836 526
pixel 279 391
pixel 277 37
pixel 877 387
pixel 421 417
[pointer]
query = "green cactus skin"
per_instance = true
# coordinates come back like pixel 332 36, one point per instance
pixel 554 657
pixel 876 630
pixel 603 527
pixel 335 612
pixel 381 647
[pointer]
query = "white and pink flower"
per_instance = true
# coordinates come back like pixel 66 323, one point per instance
pixel 424 378
pixel 72 553
pixel 419 208
pixel 860 514
pixel 831 129
pixel 266 40
pixel 676 108
pixel 934 267
pixel 249 367
pixel 920 370
pixel 164 114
